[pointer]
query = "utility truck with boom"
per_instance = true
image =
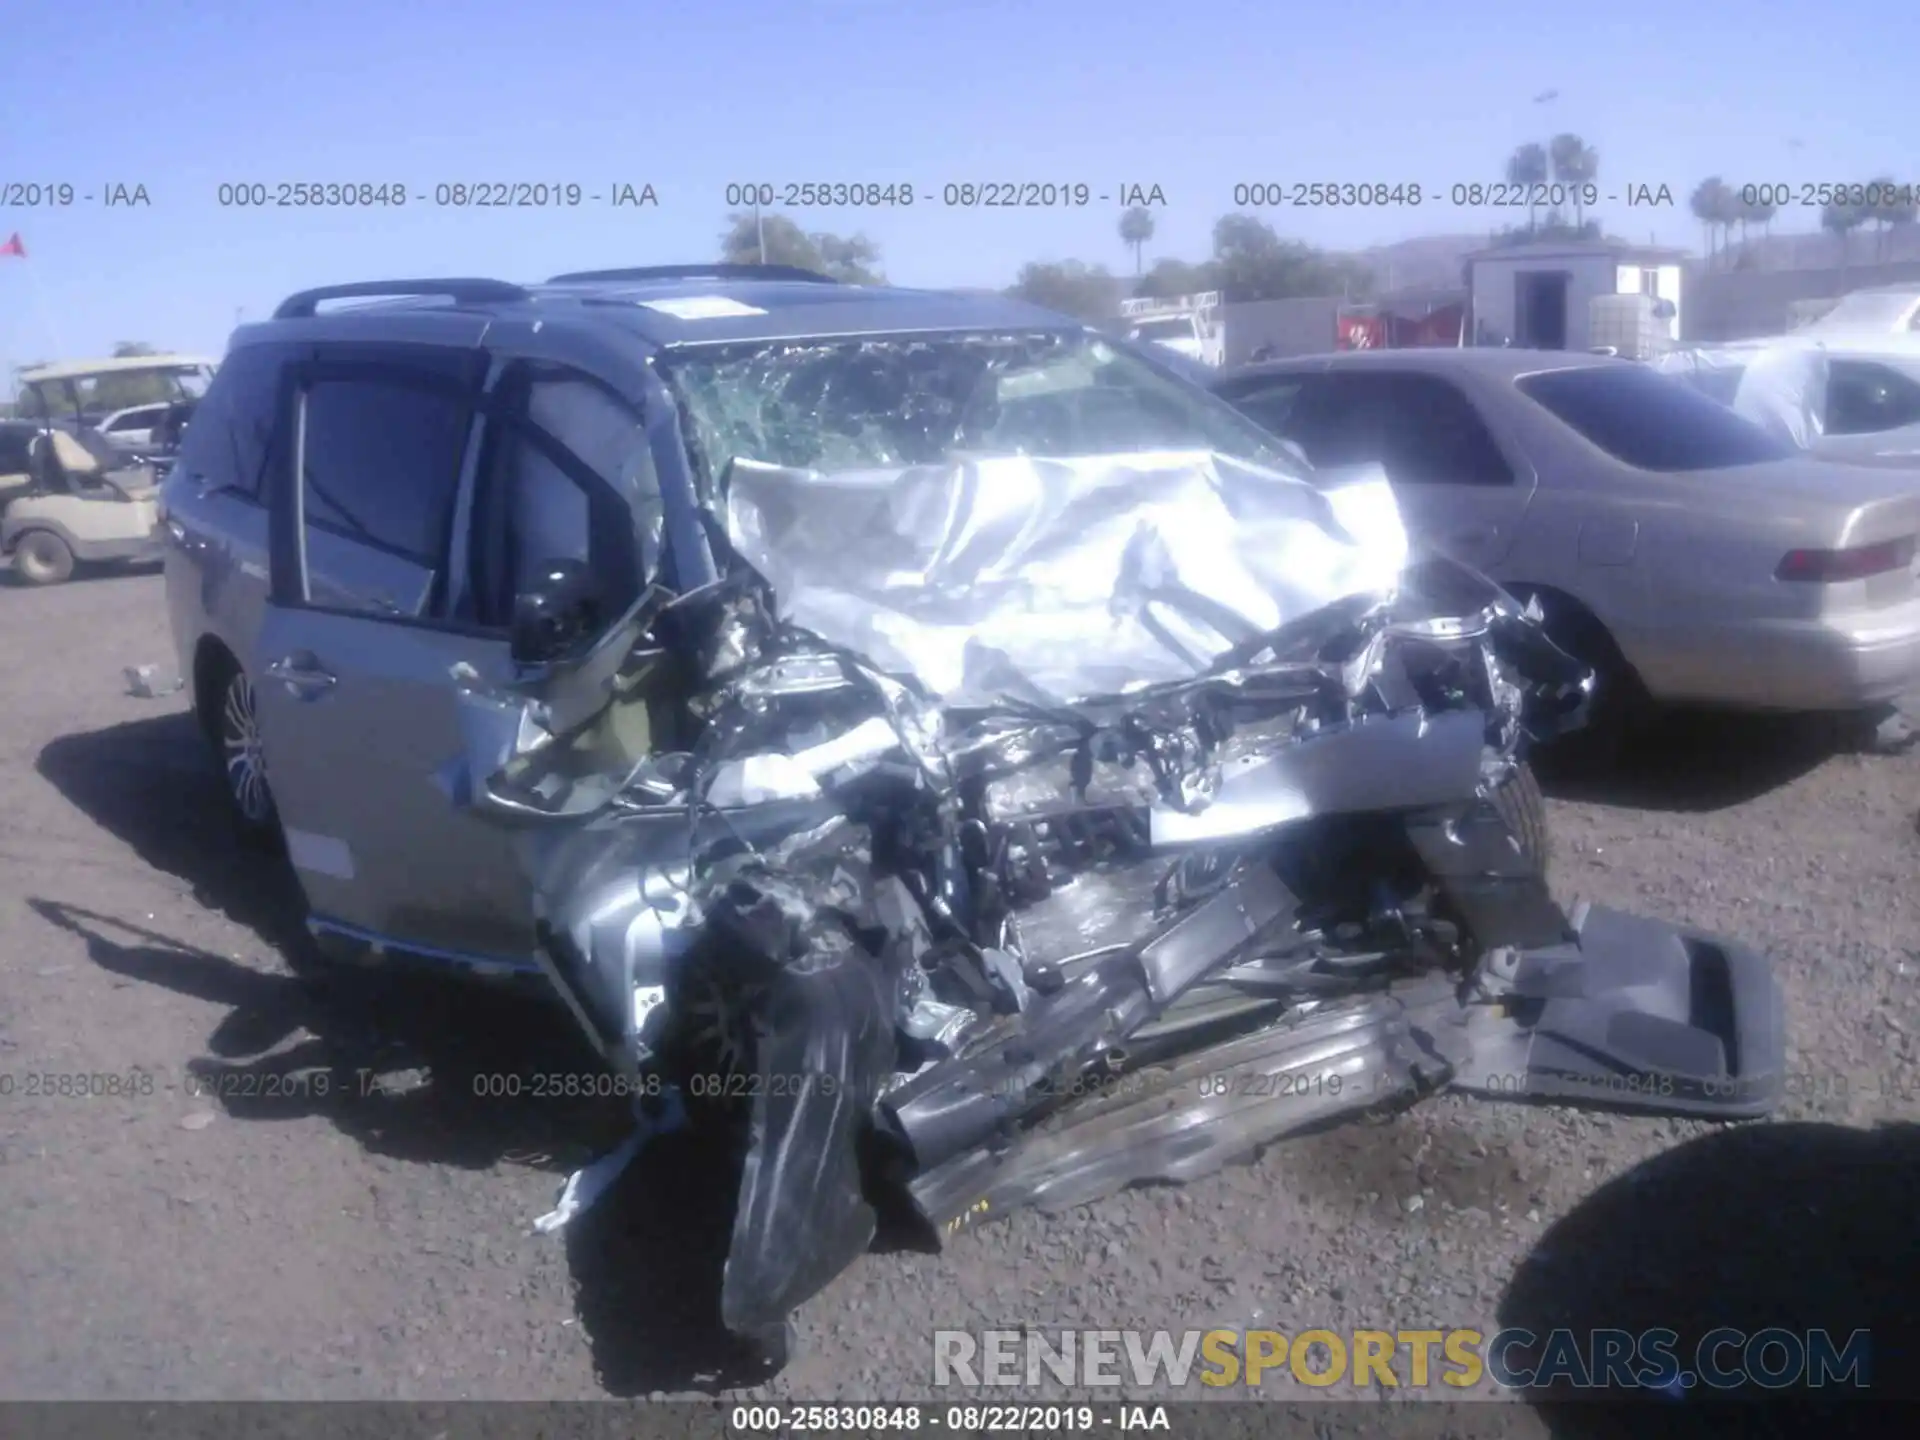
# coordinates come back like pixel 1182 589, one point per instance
pixel 1188 325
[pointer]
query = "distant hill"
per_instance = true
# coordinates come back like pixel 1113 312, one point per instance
pixel 1426 262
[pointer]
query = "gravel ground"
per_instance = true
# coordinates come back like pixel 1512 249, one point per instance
pixel 268 1241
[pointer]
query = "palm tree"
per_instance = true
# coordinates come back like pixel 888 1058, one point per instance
pixel 1740 213
pixel 1136 229
pixel 1899 212
pixel 1761 212
pixel 1575 163
pixel 1840 220
pixel 1712 205
pixel 1527 167
pixel 1884 209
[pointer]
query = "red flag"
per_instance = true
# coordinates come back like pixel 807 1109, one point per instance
pixel 1361 332
pixel 14 246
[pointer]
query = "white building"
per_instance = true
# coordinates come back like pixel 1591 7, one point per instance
pixel 1539 295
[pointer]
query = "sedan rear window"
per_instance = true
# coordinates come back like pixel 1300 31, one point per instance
pixel 1649 420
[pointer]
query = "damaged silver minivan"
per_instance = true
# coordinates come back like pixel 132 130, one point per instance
pixel 965 760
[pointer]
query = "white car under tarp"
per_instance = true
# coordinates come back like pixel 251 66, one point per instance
pixel 1786 385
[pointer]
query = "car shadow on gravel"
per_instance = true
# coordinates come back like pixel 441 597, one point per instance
pixel 1696 761
pixel 1803 1227
pixel 409 1065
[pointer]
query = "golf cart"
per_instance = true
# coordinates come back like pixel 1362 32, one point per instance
pixel 67 497
pixel 140 403
pixel 67 494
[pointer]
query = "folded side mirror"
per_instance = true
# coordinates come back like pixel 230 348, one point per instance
pixel 557 615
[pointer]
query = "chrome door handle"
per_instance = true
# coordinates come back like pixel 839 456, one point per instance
pixel 302 673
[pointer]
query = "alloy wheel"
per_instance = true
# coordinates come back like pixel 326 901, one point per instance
pixel 242 754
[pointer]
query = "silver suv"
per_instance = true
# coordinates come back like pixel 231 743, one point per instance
pixel 915 734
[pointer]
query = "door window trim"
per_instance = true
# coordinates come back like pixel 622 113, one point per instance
pixel 505 409
pixel 399 377
pixel 284 489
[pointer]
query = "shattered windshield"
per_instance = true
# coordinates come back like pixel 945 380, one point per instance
pixel 835 405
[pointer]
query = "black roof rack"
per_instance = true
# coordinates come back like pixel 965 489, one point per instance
pixel 303 305
pixel 721 271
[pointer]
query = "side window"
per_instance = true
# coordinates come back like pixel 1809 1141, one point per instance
pixel 1333 420
pixel 567 475
pixel 1436 437
pixel 1420 427
pixel 382 462
pixel 226 442
pixel 1864 398
pixel 1268 401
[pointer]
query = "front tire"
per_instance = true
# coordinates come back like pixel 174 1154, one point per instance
pixel 243 766
pixel 41 557
pixel 1524 808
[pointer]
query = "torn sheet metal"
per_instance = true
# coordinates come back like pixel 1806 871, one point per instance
pixel 1200 1112
pixel 1050 580
pixel 1383 763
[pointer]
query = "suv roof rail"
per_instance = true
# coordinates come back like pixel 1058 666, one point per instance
pixel 720 271
pixel 302 306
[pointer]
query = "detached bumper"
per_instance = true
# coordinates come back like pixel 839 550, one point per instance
pixel 1632 1014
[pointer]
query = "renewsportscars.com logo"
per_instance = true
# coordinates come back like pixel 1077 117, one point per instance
pixel 1362 1359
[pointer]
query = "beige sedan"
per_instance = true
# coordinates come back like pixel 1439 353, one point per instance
pixel 1669 541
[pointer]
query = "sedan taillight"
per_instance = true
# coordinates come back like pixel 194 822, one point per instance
pixel 1830 567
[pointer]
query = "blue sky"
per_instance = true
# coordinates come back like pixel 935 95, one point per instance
pixel 1194 96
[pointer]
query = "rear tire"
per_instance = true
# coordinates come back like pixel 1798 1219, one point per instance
pixel 1520 803
pixel 41 557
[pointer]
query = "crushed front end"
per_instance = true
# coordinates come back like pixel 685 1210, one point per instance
pixel 1001 834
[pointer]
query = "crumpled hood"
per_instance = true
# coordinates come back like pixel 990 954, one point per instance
pixel 1051 580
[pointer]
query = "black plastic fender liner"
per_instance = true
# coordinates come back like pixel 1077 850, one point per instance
pixel 821 1011
pixel 1637 1014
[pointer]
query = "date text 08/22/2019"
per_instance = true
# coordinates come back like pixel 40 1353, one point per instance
pixel 909 1417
